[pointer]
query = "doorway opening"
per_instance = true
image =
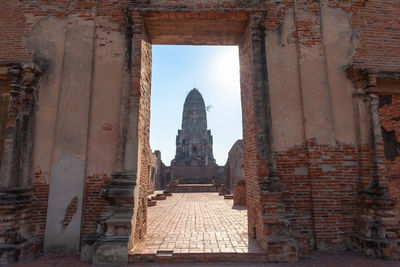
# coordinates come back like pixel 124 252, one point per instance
pixel 209 28
pixel 193 220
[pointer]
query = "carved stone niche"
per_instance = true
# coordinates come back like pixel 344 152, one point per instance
pixel 109 244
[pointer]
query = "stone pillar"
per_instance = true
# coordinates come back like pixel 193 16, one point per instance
pixel 9 163
pixel 261 97
pixel 17 231
pixel 274 235
pixel 376 228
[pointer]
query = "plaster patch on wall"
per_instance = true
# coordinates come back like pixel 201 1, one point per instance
pixel 340 42
pixel 66 184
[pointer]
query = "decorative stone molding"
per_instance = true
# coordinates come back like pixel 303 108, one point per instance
pixel 18 240
pixel 376 229
pixel 109 244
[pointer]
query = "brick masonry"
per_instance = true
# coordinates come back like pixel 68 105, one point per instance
pixel 41 194
pixel 93 203
pixel 239 193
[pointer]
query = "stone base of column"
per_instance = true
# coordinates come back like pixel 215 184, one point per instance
pixel 101 250
pixel 109 244
pixel 18 240
pixel 377 230
pixel 282 249
pixel 387 249
pixel 280 246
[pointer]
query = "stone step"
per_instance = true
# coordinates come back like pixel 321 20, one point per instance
pixel 158 197
pixel 192 188
pixel 151 203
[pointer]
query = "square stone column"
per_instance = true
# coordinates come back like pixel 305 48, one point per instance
pixel 18 240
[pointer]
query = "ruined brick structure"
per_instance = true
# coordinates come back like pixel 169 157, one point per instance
pixel 234 165
pixel 157 172
pixel 320 86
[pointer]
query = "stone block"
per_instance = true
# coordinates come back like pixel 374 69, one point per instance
pixel 110 253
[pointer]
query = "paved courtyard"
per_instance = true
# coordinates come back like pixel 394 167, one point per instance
pixel 204 223
pixel 196 223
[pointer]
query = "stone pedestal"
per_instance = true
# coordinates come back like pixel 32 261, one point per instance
pixel 109 244
pixel 377 230
pixel 279 244
pixel 18 240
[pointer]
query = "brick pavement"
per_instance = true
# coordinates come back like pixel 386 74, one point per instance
pixel 317 259
pixel 206 222
pixel 196 223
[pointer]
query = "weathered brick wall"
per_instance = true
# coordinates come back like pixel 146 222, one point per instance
pixel 321 181
pixel 18 17
pixel 390 118
pixel 41 195
pixel 141 79
pixel 255 169
pixel 94 204
pixel 152 172
pixel 377 23
pixel 234 165
pixel 111 46
pixel 239 193
pixel 12 29
pixel 294 174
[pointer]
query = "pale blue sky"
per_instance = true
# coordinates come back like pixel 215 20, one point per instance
pixel 215 71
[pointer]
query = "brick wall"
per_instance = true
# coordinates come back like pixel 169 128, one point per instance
pixel 239 193
pixel 93 203
pixel 378 25
pixel 234 165
pixel 12 29
pixel 294 174
pixel 141 90
pixel 41 195
pixel 390 118
pixel 250 160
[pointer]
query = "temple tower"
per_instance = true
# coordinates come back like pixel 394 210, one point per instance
pixel 194 141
